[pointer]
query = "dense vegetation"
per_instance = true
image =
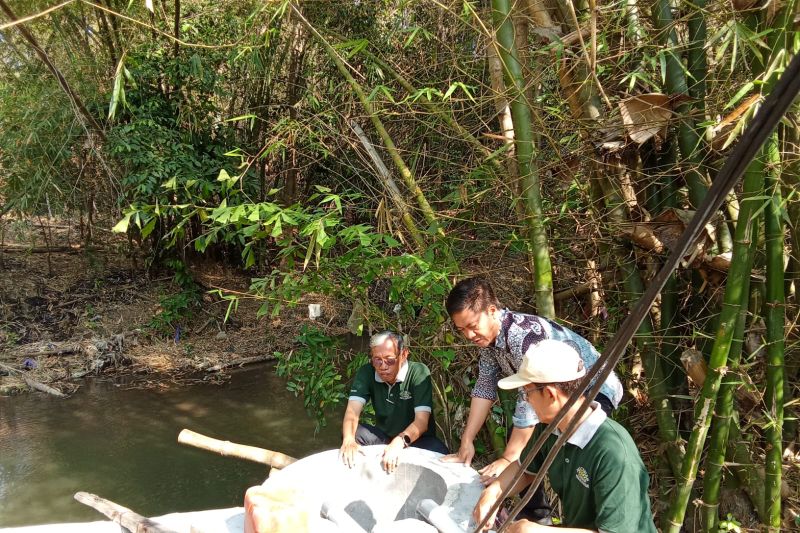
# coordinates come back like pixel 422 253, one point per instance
pixel 373 151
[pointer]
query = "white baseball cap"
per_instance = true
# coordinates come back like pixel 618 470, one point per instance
pixel 548 361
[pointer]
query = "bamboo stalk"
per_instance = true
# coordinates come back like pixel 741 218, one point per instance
pixel 231 449
pixel 689 141
pixel 753 183
pixel 723 411
pixel 522 117
pixel 774 317
pixel 656 385
pixel 390 185
pixel 123 516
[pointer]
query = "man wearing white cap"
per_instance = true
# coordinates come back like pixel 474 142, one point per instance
pixel 598 473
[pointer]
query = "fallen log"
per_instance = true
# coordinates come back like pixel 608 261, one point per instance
pixel 133 522
pixel 50 348
pixel 241 362
pixel 35 384
pixel 276 460
pixel 16 249
pixel 43 388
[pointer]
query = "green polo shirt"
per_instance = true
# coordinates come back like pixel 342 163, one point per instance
pixel 396 404
pixel 599 476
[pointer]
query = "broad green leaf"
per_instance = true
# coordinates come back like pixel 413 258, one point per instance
pixel 149 227
pixel 277 231
pixel 122 225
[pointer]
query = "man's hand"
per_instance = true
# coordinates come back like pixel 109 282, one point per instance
pixel 523 526
pixel 348 452
pixel 464 455
pixel 490 472
pixel 391 454
pixel 488 498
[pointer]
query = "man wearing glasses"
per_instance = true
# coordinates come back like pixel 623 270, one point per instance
pixel 504 336
pixel 598 474
pixel 402 397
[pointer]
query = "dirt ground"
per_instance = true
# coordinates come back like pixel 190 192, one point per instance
pixel 79 311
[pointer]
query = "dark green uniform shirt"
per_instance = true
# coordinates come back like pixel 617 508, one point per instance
pixel 599 476
pixel 396 404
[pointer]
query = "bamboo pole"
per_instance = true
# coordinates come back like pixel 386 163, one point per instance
pixel 656 384
pixel 522 117
pixel 130 520
pixel 689 141
pixel 729 315
pixel 389 185
pixel 775 319
pixel 774 108
pixel 276 460
pixel 724 408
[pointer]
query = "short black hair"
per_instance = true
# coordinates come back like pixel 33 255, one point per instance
pixel 475 294
pixel 567 387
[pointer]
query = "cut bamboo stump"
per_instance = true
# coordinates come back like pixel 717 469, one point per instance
pixel 275 460
pixel 133 522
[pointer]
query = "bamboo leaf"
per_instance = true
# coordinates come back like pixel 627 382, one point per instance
pixel 311 245
pixel 118 93
pixel 122 225
pixel 149 227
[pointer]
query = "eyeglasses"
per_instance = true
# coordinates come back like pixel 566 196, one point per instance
pixel 377 362
pixel 533 387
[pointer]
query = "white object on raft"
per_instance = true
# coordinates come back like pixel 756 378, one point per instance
pixel 370 497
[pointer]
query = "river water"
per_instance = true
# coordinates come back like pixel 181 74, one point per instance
pixel 120 443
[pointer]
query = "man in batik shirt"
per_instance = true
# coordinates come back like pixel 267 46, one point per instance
pixel 504 336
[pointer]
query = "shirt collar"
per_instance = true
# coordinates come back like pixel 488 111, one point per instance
pixel 401 375
pixel 500 340
pixel 584 433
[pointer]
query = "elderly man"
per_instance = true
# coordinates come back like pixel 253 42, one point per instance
pixel 401 395
pixel 598 473
pixel 503 337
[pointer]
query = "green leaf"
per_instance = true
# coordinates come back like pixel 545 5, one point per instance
pixel 122 225
pixel 240 117
pixel 118 93
pixel 739 94
pixel 311 246
pixel 149 227
pixel 277 231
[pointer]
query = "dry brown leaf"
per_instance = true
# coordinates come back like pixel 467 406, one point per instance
pixel 646 116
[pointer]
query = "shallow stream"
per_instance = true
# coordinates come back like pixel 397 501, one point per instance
pixel 120 442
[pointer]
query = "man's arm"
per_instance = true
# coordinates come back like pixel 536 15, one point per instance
pixel 483 396
pixel 524 526
pixel 478 411
pixel 349 427
pixel 492 493
pixel 391 455
pixel 516 443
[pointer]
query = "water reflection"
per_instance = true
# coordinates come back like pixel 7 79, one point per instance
pixel 122 444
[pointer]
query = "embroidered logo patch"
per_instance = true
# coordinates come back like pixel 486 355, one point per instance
pixel 582 476
pixel 405 395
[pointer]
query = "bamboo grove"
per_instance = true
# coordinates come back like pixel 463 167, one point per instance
pixel 559 146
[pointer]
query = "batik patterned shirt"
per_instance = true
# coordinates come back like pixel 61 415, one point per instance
pixel 518 332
